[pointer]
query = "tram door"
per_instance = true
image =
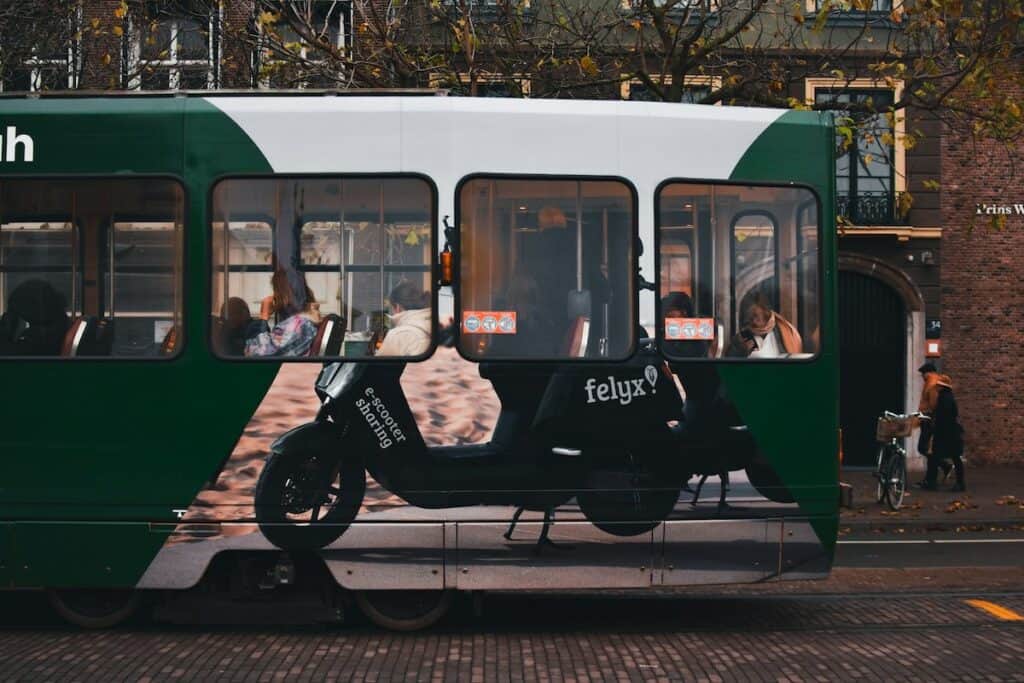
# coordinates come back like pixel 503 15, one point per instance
pixel 872 334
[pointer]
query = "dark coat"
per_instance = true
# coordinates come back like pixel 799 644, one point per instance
pixel 948 435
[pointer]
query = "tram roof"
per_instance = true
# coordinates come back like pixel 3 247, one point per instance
pixel 427 99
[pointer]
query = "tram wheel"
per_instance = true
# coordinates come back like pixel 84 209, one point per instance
pixel 762 477
pixel 94 608
pixel 404 610
pixel 305 503
pixel 627 503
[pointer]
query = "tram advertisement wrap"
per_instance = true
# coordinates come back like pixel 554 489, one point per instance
pixel 452 404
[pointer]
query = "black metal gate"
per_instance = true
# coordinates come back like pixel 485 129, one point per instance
pixel 872 343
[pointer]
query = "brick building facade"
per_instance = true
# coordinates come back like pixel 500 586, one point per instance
pixel 983 293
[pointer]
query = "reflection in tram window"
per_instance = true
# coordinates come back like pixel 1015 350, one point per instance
pixel 336 248
pixel 746 260
pixel 90 267
pixel 547 268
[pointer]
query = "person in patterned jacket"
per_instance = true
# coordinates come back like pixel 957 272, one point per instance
pixel 298 316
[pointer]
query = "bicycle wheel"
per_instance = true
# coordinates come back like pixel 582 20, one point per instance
pixel 896 481
pixel 880 474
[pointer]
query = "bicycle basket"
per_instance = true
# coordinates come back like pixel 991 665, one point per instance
pixel 889 428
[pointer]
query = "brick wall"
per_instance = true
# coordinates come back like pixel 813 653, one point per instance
pixel 983 295
pixel 101 44
pixel 236 52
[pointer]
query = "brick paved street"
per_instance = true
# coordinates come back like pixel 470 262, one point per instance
pixel 887 635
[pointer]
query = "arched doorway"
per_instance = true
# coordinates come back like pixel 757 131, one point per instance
pixel 872 361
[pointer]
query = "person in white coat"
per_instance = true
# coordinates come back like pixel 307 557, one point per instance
pixel 410 322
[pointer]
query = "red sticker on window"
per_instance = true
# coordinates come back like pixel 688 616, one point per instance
pixel 690 329
pixel 489 322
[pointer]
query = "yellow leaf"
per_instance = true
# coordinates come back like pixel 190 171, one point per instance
pixel 588 65
pixel 106 59
pixel 118 31
pixel 904 203
pixel 412 238
pixel 121 10
pixel 95 23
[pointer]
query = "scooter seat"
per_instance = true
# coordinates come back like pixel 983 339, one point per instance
pixel 485 451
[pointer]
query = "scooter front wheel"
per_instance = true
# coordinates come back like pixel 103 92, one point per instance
pixel 305 501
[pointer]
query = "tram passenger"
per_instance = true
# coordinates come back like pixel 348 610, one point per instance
pixel 410 318
pixel 298 316
pixel 765 333
pixel 35 321
pixel 237 318
pixel 537 335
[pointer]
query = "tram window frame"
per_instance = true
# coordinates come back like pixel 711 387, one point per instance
pixel 76 305
pixel 634 261
pixel 734 304
pixel 814 199
pixel 431 266
pixel 801 274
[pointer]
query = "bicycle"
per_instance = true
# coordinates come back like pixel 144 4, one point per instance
pixel 891 463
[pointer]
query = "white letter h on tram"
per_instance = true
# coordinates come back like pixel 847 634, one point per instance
pixel 10 150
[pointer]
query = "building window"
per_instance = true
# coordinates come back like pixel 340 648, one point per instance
pixel 172 46
pixel 485 9
pixel 53 65
pixel 487 85
pixel 294 49
pixel 877 6
pixel 677 6
pixel 870 159
pixel 695 89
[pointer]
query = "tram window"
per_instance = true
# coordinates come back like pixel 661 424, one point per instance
pixel 91 267
pixel 749 287
pixel 547 269
pixel 323 267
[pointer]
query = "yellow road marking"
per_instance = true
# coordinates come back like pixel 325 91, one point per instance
pixel 998 611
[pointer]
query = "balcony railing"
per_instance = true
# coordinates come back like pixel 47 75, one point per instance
pixel 871 208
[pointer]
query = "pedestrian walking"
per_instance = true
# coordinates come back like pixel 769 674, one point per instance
pixel 947 440
pixel 929 398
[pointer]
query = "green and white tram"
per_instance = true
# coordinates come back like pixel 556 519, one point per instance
pixel 412 340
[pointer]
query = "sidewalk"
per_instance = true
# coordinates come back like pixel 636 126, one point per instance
pixel 994 499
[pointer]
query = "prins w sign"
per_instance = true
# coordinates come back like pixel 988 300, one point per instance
pixel 12 141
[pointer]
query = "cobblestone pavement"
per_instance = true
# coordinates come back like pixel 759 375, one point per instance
pixel 545 637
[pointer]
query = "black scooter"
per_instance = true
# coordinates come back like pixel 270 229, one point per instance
pixel 599 432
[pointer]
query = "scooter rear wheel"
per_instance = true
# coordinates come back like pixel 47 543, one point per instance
pixel 304 502
pixel 625 503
